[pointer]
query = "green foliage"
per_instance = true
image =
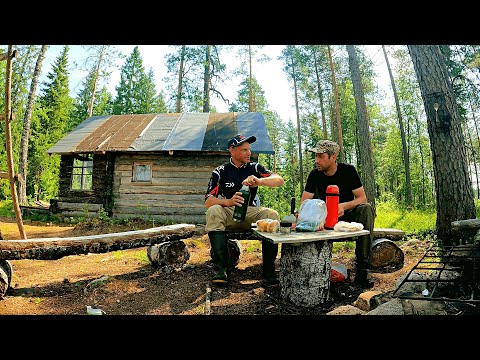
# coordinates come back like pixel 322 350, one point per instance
pixel 6 209
pixel 414 221
pixel 136 92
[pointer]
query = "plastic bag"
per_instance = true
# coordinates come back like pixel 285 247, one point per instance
pixel 311 215
pixel 338 272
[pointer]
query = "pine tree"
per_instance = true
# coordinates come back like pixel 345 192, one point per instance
pixel 48 126
pixel 136 92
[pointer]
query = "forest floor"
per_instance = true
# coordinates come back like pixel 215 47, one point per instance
pixel 126 283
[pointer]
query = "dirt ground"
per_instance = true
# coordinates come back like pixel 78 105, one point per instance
pixel 126 283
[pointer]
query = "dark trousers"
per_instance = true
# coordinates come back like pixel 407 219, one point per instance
pixel 362 214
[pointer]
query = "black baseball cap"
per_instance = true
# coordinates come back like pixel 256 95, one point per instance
pixel 240 139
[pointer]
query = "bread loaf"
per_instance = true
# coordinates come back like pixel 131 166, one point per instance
pixel 268 225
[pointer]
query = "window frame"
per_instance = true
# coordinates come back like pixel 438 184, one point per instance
pixel 86 163
pixel 137 164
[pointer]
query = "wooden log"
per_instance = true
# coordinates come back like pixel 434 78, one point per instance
pixel 173 254
pixel 234 248
pixel 5 277
pixel 469 224
pixel 385 256
pixel 305 272
pixel 388 233
pixel 56 248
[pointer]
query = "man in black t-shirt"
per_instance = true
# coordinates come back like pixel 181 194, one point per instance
pixel 353 205
pixel 223 195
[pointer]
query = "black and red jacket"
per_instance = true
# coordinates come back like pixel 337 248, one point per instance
pixel 227 179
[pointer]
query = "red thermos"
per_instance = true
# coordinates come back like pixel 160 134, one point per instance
pixel 332 199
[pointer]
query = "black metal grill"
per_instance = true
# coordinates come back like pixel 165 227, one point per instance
pixel 444 273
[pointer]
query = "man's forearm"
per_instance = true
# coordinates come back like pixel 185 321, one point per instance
pixel 272 181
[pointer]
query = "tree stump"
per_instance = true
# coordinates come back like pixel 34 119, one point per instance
pixel 5 277
pixel 385 256
pixel 170 253
pixel 305 272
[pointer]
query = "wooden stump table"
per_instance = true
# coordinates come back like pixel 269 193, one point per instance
pixel 305 263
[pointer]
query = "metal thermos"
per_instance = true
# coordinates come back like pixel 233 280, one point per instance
pixel 241 211
pixel 291 218
pixel 332 200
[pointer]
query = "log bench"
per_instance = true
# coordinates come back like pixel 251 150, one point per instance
pixel 162 242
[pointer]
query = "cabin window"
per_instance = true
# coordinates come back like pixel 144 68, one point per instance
pixel 82 172
pixel 142 172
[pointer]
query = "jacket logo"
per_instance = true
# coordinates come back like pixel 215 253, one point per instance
pixel 229 185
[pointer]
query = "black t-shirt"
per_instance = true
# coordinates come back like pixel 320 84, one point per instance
pixel 227 179
pixel 346 178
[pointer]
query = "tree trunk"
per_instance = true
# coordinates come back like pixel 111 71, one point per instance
pixel 365 146
pixel 341 155
pixel 406 159
pixel 95 80
pixel 299 131
pixel 305 272
pixel 22 167
pixel 180 81
pixel 56 248
pixel 455 200
pixel 207 80
pixel 320 96
pixel 8 140
pixel 250 92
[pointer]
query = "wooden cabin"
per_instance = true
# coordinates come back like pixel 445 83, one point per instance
pixel 148 166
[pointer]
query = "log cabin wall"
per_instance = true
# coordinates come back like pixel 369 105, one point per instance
pixel 176 193
pixel 85 203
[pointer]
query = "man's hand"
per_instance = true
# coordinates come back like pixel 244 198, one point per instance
pixel 236 199
pixel 341 209
pixel 252 181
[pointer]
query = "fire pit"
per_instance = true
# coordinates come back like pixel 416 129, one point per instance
pixel 444 273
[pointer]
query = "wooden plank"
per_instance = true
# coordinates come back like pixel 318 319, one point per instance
pixel 193 219
pixel 159 197
pixel 86 207
pixel 174 174
pixel 148 210
pixel 164 204
pixel 389 233
pixel 55 248
pixel 171 168
pixel 155 189
pixel 302 237
pixel 169 181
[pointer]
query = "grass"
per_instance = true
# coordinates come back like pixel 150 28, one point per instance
pixel 413 221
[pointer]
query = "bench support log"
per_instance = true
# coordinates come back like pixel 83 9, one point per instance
pixel 173 254
pixel 5 276
pixel 305 272
pixel 385 256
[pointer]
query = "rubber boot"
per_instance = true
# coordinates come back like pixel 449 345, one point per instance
pixel 269 254
pixel 362 253
pixel 219 253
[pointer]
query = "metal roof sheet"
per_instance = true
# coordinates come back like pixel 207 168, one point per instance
pixel 164 132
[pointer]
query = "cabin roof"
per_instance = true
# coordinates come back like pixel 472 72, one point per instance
pixel 164 132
